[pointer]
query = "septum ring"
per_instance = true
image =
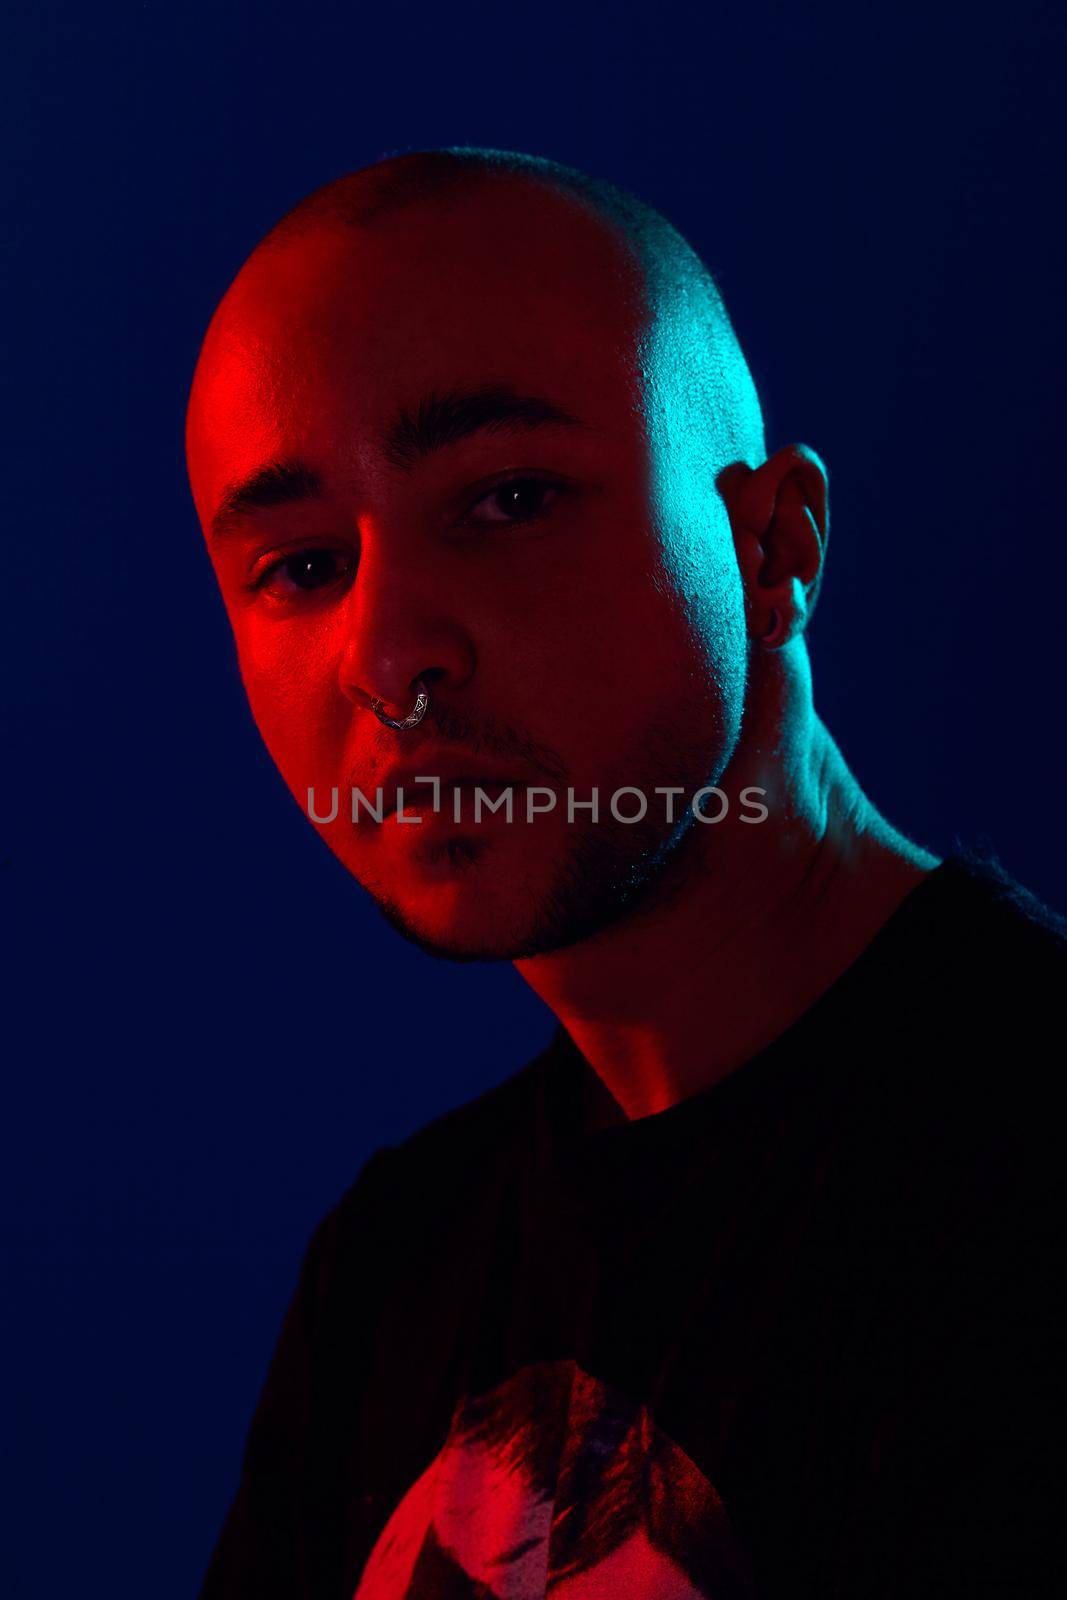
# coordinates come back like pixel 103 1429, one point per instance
pixel 414 716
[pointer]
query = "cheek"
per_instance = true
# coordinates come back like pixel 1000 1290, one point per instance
pixel 648 645
pixel 698 584
pixel 290 675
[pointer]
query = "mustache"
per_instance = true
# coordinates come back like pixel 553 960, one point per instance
pixel 444 728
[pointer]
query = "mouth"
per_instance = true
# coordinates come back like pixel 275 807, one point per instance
pixel 457 797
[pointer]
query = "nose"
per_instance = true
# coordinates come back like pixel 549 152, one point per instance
pixel 399 628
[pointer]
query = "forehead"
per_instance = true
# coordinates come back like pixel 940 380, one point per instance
pixel 325 334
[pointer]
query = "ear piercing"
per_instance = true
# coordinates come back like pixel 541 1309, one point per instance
pixel 776 632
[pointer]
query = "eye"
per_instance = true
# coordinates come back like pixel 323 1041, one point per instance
pixel 518 500
pixel 303 572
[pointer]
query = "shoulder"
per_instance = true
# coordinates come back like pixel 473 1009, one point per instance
pixel 989 958
pixel 1009 911
pixel 960 1098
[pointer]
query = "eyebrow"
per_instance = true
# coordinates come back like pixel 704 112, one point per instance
pixel 443 419
pixel 279 483
pixel 438 421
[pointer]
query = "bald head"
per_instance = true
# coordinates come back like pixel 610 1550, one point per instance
pixel 698 394
pixel 696 373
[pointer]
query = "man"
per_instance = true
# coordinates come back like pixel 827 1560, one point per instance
pixel 742 1287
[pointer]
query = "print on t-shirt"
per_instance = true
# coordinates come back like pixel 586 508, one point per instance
pixel 554 1484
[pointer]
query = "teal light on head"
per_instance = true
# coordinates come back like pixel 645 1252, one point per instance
pixel 701 409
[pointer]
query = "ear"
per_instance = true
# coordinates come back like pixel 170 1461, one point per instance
pixel 780 516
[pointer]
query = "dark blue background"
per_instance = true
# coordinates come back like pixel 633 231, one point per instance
pixel 212 1026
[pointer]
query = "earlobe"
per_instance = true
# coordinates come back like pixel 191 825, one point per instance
pixel 776 631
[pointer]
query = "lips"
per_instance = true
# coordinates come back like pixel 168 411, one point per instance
pixel 450 776
pixel 420 798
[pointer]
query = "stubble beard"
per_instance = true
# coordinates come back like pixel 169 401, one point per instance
pixel 611 870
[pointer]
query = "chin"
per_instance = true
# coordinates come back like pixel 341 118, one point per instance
pixel 464 903
pixel 458 938
pixel 465 895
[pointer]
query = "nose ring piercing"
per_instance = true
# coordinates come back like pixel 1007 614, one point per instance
pixel 414 716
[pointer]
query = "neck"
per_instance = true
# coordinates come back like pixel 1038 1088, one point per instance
pixel 747 927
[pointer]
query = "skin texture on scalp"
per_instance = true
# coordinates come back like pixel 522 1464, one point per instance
pixel 697 393
pixel 692 361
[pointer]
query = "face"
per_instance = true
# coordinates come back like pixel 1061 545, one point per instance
pixel 426 451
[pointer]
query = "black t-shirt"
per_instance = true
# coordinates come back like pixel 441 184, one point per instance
pixel 796 1336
